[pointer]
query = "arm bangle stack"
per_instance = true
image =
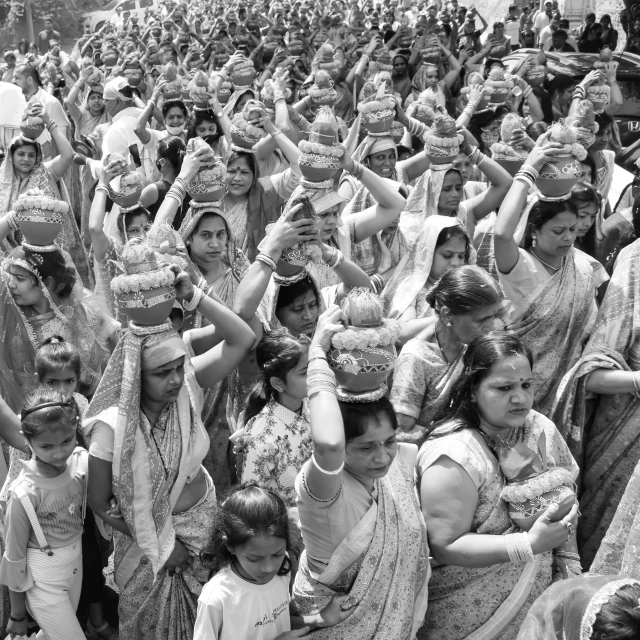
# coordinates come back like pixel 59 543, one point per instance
pixel 528 171
pixel 481 158
pixel 52 126
pixel 519 548
pixel 192 305
pixel 527 92
pixel 177 192
pixel 336 259
pixel 321 380
pixel 636 382
pixel 579 92
pixel 473 156
pixel 357 171
pixel 416 128
pixel 102 187
pixel 377 283
pixel 268 260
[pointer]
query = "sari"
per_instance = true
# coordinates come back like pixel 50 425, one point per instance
pixel 555 320
pixel 148 478
pixel 218 410
pixel 486 603
pixel 603 431
pixel 12 186
pixel 383 564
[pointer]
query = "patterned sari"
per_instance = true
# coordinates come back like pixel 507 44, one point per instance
pixel 603 431
pixel 12 186
pixel 555 320
pixel 383 564
pixel 151 466
pixel 486 603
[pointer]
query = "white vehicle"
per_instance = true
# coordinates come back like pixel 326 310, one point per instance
pixel 95 19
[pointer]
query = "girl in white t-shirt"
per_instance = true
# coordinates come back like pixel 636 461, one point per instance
pixel 248 598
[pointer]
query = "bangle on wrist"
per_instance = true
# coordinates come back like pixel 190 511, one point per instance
pixel 14 619
pixel 198 294
pixel 266 259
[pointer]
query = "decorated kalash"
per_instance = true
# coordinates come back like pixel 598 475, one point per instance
pixel 508 153
pixel 363 356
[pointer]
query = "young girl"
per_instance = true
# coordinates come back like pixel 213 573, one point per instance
pixel 276 439
pixel 42 562
pixel 58 366
pixel 248 599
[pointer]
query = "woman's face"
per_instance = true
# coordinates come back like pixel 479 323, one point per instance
pixel 95 103
pixel 431 77
pixel 468 326
pixel 369 456
pixel 328 222
pixel 566 96
pixel 451 194
pixel 175 118
pixel 204 128
pixel 464 166
pixel 586 175
pixel 300 316
pixel 24 159
pixel 295 380
pixel 63 379
pixel 24 287
pixel 163 384
pixel 208 242
pixel 498 31
pixel 556 236
pixel 603 139
pixel 242 100
pixel 239 177
pixel 138 226
pixel 383 163
pixel 586 217
pixel 399 66
pixel 447 256
pixel 505 397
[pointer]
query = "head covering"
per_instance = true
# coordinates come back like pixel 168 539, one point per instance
pixel 568 609
pixel 113 89
pixel 412 272
pixel 230 107
pixel 423 201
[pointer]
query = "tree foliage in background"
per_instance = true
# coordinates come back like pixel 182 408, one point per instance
pixel 66 14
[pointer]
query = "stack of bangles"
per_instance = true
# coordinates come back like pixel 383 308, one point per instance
pixel 579 93
pixel 357 171
pixel 335 260
pixel 268 260
pixel 471 107
pixel 102 187
pixel 636 380
pixel 51 126
pixel 476 157
pixel 377 283
pixel 519 548
pixel 417 128
pixel 178 190
pixel 198 294
pixel 320 377
pixel 526 92
pixel 528 175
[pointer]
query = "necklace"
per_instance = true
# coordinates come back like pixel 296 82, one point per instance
pixel 546 264
pixel 442 353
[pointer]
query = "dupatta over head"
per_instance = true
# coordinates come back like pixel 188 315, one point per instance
pixel 140 481
pixel 568 609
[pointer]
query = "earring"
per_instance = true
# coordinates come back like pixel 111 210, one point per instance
pixel 534 242
pixel 188 243
pixel 448 324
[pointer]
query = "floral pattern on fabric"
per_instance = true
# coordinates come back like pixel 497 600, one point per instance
pixel 271 449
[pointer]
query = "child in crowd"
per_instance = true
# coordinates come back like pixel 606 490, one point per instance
pixel 248 598
pixel 42 562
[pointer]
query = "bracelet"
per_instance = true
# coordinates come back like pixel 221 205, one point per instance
pixel 52 125
pixel 567 555
pixel 333 255
pixel 526 180
pixel 181 182
pixel 203 284
pixel 11 221
pixel 377 283
pixel 636 382
pixel 519 548
pixel 268 260
pixel 102 187
pixel 152 103
pixel 177 193
pixel 529 171
pixel 473 156
pixel 24 617
pixel 482 157
pixel 319 468
pixel 313 388
pixel 357 171
pixel 337 260
pixel 198 294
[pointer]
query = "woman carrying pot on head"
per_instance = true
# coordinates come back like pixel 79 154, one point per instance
pixel 464 303
pixel 146 446
pixel 24 168
pixel 550 284
pixel 361 524
pixel 485 577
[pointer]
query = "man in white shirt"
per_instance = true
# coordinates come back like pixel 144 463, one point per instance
pixel 117 20
pixel 119 102
pixel 543 19
pixel 548 31
pixel 571 41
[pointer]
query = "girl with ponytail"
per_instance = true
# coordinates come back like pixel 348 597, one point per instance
pixel 276 438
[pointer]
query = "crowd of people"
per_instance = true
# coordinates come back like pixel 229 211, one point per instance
pixel 318 319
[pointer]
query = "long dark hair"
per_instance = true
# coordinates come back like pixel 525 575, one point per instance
pixel 249 511
pixel 172 149
pixel 277 353
pixel 49 265
pixel 619 617
pixel 287 294
pixel 481 355
pixel 541 213
pixel 464 290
